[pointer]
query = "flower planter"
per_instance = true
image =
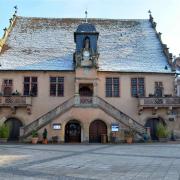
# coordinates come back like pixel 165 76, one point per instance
pixel 162 132
pixel 45 141
pixel 165 139
pixel 34 140
pixel 129 140
pixel 3 140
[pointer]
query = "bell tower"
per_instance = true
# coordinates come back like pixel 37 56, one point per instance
pixel 86 53
pixel 86 62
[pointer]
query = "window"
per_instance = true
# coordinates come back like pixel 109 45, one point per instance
pixel 137 87
pixel 56 86
pixel 112 87
pixel 7 87
pixel 30 86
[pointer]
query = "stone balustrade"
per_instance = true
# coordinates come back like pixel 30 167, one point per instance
pixel 15 101
pixel 84 101
pixel 159 102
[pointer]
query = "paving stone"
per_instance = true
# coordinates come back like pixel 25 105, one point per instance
pixel 107 162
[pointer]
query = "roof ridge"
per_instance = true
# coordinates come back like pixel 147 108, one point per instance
pixel 65 18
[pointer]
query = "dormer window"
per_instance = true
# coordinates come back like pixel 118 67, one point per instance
pixel 86 54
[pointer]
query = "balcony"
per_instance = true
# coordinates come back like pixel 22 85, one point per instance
pixel 159 102
pixel 15 101
pixel 85 101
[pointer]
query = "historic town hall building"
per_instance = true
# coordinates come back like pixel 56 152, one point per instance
pixel 81 79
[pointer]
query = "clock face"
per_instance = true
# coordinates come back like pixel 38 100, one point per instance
pixel 86 54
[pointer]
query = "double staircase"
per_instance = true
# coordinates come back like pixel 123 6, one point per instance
pixel 77 101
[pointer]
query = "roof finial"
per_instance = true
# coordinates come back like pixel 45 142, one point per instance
pixel 16 8
pixel 86 13
pixel 151 18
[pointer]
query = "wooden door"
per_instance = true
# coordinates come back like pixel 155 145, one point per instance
pixel 96 129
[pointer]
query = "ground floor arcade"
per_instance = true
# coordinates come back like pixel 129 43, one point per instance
pixel 82 125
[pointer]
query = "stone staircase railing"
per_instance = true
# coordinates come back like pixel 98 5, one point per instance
pixel 120 116
pixel 46 118
pixel 78 101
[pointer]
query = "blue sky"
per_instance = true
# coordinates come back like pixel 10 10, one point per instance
pixel 165 12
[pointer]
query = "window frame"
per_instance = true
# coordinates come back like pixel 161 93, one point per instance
pixel 112 92
pixel 57 83
pixel 10 85
pixel 137 87
pixel 31 83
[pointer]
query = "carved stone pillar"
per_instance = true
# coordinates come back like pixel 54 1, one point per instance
pixel 76 87
pixel 95 88
pixel 178 87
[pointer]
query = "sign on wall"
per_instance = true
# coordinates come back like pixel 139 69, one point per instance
pixel 56 126
pixel 114 127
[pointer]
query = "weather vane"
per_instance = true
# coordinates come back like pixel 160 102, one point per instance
pixel 86 13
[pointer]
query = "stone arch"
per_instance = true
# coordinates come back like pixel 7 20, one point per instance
pixel 151 123
pixel 96 129
pixel 15 124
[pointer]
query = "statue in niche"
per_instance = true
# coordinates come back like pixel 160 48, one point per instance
pixel 86 50
pixel 87 43
pixel 158 89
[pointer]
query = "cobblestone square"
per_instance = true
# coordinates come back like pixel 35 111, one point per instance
pixel 91 161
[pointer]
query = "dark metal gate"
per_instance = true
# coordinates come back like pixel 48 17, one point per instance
pixel 14 125
pixel 152 124
pixel 73 132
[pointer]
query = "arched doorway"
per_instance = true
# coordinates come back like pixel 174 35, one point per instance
pixel 96 129
pixel 14 125
pixel 86 90
pixel 152 124
pixel 73 131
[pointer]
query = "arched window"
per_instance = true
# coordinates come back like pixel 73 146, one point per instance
pixel 86 43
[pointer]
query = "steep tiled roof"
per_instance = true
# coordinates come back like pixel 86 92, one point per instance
pixel 48 44
pixel 86 27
